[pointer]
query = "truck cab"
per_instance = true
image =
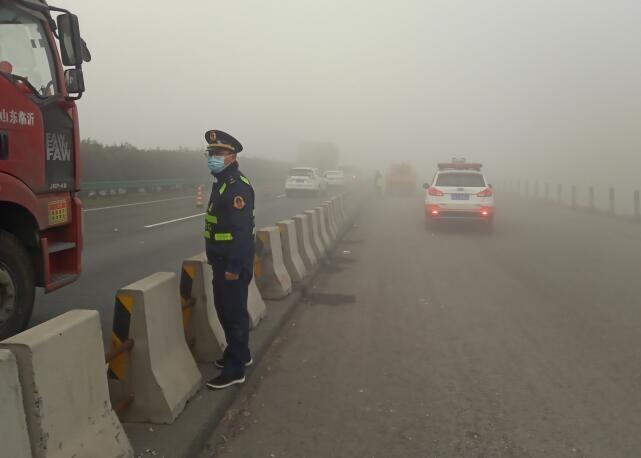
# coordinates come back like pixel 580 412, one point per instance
pixel 40 213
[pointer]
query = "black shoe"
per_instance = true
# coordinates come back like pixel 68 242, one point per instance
pixel 220 363
pixel 223 381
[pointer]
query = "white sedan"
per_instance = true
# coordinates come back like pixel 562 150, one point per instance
pixel 459 191
pixel 335 178
pixel 305 179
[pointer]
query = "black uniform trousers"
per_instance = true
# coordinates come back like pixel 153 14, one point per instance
pixel 230 300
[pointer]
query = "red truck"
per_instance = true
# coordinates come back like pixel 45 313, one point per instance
pixel 40 213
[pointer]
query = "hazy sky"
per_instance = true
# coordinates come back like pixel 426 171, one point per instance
pixel 520 85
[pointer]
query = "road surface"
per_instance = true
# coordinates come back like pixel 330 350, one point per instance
pixel 128 240
pixel 523 343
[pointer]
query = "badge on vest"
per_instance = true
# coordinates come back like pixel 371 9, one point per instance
pixel 239 203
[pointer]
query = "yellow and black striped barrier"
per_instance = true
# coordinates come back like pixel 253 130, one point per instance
pixel 118 356
pixel 119 359
pixel 187 299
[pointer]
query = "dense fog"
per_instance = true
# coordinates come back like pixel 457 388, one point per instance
pixel 535 90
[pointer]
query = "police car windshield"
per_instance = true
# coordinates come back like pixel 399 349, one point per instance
pixel 471 180
pixel 300 173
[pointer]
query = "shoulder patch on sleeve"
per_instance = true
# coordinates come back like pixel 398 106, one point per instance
pixel 239 203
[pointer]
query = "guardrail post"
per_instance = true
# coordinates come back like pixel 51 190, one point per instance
pixel 559 193
pixel 637 205
pixel 536 189
pixel 527 188
pixel 574 195
pixel 612 207
pixel 591 198
pixel 547 191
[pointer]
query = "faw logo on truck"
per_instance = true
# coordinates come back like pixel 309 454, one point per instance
pixel 59 155
pixel 58 148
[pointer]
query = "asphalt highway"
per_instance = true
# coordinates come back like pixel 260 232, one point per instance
pixel 456 343
pixel 128 238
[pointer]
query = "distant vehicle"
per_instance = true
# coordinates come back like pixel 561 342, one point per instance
pixel 350 173
pixel 459 191
pixel 335 178
pixel 305 179
pixel 400 179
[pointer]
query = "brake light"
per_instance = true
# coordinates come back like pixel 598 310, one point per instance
pixel 432 210
pixel 487 192
pixel 432 191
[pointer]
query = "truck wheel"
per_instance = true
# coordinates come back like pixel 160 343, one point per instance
pixel 17 286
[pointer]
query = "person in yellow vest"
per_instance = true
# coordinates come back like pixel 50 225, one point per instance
pixel 230 246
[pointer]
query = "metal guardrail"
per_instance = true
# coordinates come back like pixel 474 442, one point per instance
pixel 104 185
pixel 115 188
pixel 525 188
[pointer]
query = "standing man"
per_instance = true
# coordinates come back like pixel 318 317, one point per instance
pixel 229 240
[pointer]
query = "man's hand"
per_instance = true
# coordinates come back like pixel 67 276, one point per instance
pixel 231 276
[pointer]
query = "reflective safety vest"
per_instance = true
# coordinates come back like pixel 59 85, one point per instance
pixel 217 224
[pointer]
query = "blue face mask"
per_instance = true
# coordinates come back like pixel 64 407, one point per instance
pixel 216 163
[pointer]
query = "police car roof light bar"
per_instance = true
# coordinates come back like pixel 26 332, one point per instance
pixel 460 166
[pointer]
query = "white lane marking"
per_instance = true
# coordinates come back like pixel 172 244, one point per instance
pixel 137 203
pixel 174 221
pixel 281 196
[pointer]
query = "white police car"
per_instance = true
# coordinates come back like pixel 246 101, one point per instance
pixel 459 191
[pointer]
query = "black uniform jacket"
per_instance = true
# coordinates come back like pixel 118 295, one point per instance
pixel 229 221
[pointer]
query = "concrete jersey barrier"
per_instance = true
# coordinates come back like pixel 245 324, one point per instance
pixel 340 222
pixel 159 371
pixel 293 262
pixel 327 242
pixel 342 208
pixel 303 236
pixel 203 331
pixel 64 387
pixel 14 435
pixel 315 238
pixel 255 304
pixel 272 277
pixel 329 226
pixel 332 217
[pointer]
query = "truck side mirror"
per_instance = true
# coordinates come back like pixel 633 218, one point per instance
pixel 75 81
pixel 71 48
pixel 426 185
